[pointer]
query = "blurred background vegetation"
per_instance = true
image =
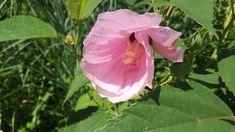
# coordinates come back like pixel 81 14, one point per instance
pixel 35 74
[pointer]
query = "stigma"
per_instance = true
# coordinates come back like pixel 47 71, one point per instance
pixel 133 52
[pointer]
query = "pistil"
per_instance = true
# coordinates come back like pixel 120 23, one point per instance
pixel 133 52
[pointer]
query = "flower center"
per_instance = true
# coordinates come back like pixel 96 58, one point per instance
pixel 133 52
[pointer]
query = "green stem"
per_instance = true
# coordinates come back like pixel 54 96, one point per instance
pixel 111 5
pixel 13 122
pixel 116 110
pixel 78 40
pixel 1 118
pixel 168 80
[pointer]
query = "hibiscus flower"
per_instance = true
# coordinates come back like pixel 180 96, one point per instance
pixel 117 56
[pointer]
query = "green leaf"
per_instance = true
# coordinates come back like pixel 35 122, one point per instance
pixel 78 82
pixel 181 44
pixel 180 70
pixel 199 10
pixel 81 9
pixel 25 27
pixel 92 124
pixel 212 78
pixel 90 98
pixel 231 45
pixel 83 102
pixel 227 72
pixel 196 109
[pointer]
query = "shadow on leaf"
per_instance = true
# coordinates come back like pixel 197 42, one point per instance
pixel 182 85
pixel 229 121
pixel 209 85
pixel 80 115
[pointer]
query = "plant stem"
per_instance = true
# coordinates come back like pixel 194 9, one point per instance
pixel 13 122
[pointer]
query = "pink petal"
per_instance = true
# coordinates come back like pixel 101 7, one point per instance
pixel 112 29
pixel 99 52
pixel 123 19
pixel 164 40
pixel 141 78
pixel 144 39
pixel 114 80
pixel 135 81
pixel 108 75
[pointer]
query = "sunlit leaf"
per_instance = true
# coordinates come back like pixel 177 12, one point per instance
pixel 227 72
pixel 199 10
pixel 81 9
pixel 84 101
pixel 25 27
pixel 212 78
pixel 193 109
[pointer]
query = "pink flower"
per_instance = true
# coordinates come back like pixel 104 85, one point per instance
pixel 117 55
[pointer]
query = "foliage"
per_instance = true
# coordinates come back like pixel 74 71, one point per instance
pixel 81 9
pixel 78 82
pixel 25 27
pixel 227 75
pixel 42 87
pixel 193 9
pixel 196 109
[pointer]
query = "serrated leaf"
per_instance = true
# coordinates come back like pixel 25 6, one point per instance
pixel 199 10
pixel 195 109
pixel 81 9
pixel 226 71
pixel 25 27
pixel 78 82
